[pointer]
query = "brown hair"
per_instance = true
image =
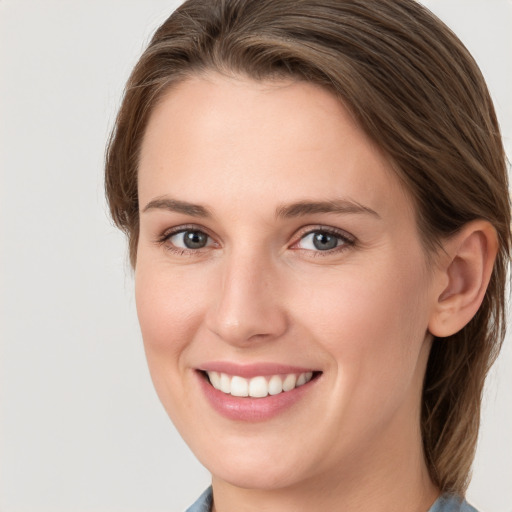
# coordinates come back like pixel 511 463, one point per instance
pixel 417 92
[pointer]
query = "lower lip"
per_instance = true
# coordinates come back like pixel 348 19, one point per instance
pixel 252 409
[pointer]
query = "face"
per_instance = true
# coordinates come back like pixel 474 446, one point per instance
pixel 282 289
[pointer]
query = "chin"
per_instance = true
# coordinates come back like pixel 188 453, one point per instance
pixel 255 467
pixel 263 476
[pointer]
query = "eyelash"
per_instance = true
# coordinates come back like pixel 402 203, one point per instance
pixel 165 237
pixel 346 241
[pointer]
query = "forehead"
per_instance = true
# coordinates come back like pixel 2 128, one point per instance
pixel 274 139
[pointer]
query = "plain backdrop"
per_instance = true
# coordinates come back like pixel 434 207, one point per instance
pixel 81 428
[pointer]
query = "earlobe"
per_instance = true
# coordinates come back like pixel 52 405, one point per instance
pixel 463 276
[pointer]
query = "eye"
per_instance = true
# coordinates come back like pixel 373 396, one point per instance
pixel 191 239
pixel 323 240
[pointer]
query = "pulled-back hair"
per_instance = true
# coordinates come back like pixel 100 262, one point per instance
pixel 416 91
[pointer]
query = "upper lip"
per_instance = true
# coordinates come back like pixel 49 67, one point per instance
pixel 252 370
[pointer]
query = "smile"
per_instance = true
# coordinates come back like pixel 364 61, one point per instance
pixel 259 386
pixel 256 392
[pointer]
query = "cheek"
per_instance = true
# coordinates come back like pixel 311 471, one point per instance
pixel 169 312
pixel 372 321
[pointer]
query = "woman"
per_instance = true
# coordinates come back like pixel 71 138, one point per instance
pixel 315 196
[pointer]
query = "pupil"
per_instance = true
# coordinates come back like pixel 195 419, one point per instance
pixel 324 241
pixel 195 239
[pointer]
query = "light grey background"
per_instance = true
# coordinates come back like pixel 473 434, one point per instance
pixel 81 428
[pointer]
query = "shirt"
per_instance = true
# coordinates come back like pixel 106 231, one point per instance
pixel 445 503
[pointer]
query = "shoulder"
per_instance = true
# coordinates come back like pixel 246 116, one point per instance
pixel 445 503
pixel 451 503
pixel 203 503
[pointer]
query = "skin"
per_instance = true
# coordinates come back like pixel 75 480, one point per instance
pixel 261 292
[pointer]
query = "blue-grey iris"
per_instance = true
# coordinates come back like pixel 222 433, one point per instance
pixel 324 241
pixel 195 239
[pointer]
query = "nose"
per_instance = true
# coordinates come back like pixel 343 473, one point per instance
pixel 249 305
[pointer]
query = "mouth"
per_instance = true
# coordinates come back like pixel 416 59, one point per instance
pixel 259 386
pixel 260 393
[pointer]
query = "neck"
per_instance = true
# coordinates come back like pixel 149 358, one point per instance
pixel 393 482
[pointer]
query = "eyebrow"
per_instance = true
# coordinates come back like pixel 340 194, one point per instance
pixel 174 205
pixel 298 209
pixel 340 206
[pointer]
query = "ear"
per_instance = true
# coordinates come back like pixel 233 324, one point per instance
pixel 462 275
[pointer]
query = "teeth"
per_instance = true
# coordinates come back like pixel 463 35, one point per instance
pixel 214 379
pixel 225 383
pixel 257 387
pixel 275 385
pixel 303 378
pixel 239 386
pixel 289 382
